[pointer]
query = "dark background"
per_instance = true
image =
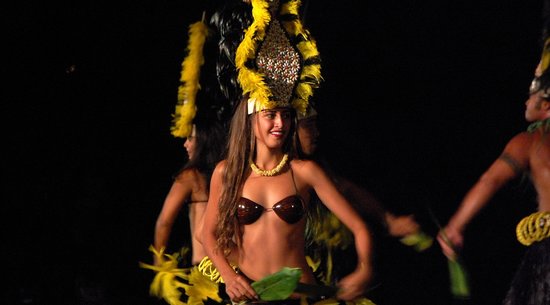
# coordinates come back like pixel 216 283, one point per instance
pixel 419 98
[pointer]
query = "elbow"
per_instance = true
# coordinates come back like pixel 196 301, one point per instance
pixel 161 223
pixel 204 236
pixel 199 235
pixel 361 231
pixel 362 226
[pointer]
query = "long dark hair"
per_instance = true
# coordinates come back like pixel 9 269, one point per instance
pixel 209 150
pixel 228 24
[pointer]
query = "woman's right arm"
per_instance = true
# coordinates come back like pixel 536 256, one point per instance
pixel 508 165
pixel 237 287
pixel 176 197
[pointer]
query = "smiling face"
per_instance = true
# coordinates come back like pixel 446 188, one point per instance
pixel 271 127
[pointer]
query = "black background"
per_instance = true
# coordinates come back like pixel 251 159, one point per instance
pixel 419 98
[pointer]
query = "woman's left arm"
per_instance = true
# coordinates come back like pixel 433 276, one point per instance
pixel 354 284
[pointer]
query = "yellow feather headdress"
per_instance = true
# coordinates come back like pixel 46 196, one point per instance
pixel 186 108
pixel 541 81
pixel 277 61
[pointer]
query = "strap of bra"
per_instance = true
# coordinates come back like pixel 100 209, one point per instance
pixel 191 201
pixel 294 181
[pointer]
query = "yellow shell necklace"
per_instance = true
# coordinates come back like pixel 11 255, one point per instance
pixel 271 172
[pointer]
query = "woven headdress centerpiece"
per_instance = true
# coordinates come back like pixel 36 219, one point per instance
pixel 278 62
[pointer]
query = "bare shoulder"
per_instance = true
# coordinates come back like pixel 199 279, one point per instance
pixel 519 144
pixel 188 175
pixel 303 164
pixel 220 168
pixel 517 151
pixel 521 139
pixel 306 169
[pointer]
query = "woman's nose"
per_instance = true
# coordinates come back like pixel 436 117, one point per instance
pixel 279 121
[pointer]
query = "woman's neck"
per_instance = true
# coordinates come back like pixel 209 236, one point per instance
pixel 268 165
pixel 545 124
pixel 267 158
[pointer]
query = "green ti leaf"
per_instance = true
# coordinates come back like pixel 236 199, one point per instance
pixel 419 240
pixel 460 287
pixel 279 285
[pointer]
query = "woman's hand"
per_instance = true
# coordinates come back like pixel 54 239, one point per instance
pixel 399 226
pixel 354 285
pixel 238 289
pixel 450 240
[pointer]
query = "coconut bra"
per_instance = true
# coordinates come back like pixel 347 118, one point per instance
pixel 291 209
